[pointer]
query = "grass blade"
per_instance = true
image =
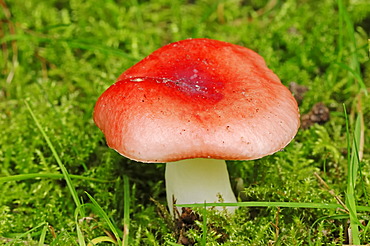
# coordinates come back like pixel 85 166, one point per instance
pixel 43 235
pixel 354 73
pixel 26 233
pixel 66 176
pixel 106 218
pixel 126 212
pixel 354 68
pixel 100 240
pixel 173 244
pixel 275 204
pixel 20 177
pixel 80 237
pixel 353 163
pixel 330 217
pixel 267 204
pixel 73 43
pixel 204 226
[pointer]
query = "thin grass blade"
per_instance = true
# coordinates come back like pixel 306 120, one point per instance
pixel 66 176
pixel 266 204
pixel 101 240
pixel 43 235
pixel 353 163
pixel 21 177
pixel 80 237
pixel 126 212
pixel 204 226
pixel 26 233
pixel 106 218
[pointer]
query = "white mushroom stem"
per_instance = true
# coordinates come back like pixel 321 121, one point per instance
pixel 198 181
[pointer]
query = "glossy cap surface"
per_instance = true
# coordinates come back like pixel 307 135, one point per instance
pixel 198 98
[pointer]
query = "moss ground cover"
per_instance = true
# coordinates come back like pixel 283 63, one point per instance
pixel 61 185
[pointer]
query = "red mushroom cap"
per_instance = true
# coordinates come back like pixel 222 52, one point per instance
pixel 198 98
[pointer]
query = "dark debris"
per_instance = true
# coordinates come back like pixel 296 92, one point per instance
pixel 298 91
pixel 319 114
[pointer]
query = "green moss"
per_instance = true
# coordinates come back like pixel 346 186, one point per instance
pixel 61 55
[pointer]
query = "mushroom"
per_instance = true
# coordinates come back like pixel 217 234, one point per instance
pixel 193 104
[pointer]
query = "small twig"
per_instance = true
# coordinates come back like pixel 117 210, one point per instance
pixel 52 231
pixel 331 192
pixel 350 238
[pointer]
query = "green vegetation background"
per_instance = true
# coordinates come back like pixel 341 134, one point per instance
pixel 60 55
